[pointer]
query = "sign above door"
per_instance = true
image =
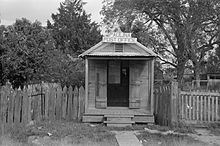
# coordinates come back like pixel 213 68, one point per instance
pixel 115 35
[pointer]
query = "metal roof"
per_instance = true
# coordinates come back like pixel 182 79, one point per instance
pixel 149 52
pixel 116 54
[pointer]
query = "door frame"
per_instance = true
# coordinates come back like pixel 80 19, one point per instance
pixel 128 80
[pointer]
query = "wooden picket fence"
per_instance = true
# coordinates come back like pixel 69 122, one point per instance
pixel 199 106
pixel 40 103
pixel 165 110
pixel 192 107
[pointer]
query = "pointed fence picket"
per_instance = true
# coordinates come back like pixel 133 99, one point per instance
pixel 199 106
pixel 192 107
pixel 19 107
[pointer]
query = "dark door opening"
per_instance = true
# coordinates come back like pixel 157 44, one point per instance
pixel 118 84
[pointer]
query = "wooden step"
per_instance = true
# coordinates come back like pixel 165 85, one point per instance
pixel 118 125
pixel 118 116
pixel 118 119
pixel 120 122
pixel 143 119
pixel 88 119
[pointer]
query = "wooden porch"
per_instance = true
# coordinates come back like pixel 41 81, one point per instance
pixel 115 115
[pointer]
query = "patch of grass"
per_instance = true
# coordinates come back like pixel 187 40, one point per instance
pixel 214 128
pixel 148 139
pixel 76 132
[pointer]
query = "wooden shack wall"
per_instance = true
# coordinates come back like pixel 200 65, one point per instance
pixel 91 83
pixel 97 67
pixel 140 84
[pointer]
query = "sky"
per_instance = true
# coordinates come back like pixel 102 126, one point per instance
pixel 40 10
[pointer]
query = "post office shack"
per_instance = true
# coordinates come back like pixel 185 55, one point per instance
pixel 119 81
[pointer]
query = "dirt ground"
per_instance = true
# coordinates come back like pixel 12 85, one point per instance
pixel 59 134
pixel 78 134
pixel 180 137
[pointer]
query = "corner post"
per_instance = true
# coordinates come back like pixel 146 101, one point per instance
pixel 86 83
pixel 152 86
pixel 174 103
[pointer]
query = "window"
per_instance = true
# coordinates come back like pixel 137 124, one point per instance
pixel 119 47
pixel 114 72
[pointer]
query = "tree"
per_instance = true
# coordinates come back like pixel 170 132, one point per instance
pixel 62 68
pixel 72 28
pixel 189 27
pixel 24 45
pixel 2 51
pixel 212 64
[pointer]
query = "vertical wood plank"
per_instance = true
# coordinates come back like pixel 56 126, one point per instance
pixel 46 104
pixel 193 107
pixel 182 106
pixel 81 102
pixel 186 106
pixel 216 108
pixel 190 107
pixel 70 103
pixel 205 108
pixel 201 106
pixel 17 107
pixel 39 107
pixel 75 102
pixel 64 103
pixel 86 83
pixel 4 95
pixel 173 102
pixel 52 103
pixel 209 108
pixel 29 112
pixel 25 107
pixel 213 108
pixel 11 107
pixel 152 85
pixel 58 103
pixel 197 107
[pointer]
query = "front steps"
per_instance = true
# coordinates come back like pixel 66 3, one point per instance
pixel 118 120
pixel 118 117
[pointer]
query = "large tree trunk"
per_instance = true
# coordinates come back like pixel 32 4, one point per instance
pixel 197 75
pixel 180 73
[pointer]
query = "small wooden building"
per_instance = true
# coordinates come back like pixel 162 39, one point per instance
pixel 119 81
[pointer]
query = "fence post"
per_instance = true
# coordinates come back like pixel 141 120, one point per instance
pixel 70 103
pixel 173 102
pixel 64 103
pixel 81 102
pixel 75 103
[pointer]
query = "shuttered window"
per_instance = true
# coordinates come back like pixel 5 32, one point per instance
pixel 119 47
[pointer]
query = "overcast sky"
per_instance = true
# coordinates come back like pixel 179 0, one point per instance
pixel 41 10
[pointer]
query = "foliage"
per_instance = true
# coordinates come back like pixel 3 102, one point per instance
pixel 24 44
pixel 2 51
pixel 72 28
pixel 183 29
pixel 62 68
pixel 28 54
pixel 213 63
pixel 32 53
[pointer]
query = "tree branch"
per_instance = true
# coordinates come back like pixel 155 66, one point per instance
pixel 167 62
pixel 170 52
pixel 166 33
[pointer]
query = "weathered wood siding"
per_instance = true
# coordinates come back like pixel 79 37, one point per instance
pixel 140 84
pixel 127 48
pixel 97 88
pixel 91 82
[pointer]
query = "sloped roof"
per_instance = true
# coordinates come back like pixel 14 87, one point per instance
pixel 92 51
